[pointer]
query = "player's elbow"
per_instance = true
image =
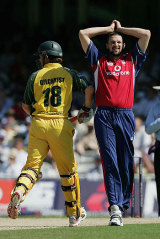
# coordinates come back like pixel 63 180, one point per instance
pixel 23 106
pixel 81 33
pixel 147 34
pixel 26 108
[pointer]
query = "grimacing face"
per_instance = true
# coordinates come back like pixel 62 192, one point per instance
pixel 115 45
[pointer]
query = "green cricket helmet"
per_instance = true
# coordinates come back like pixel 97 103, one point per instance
pixel 50 48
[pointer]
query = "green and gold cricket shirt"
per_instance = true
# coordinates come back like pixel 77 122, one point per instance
pixel 49 90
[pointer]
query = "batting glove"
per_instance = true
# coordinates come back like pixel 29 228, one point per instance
pixel 85 114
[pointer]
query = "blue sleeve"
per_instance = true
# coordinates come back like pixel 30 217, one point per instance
pixel 92 54
pixel 139 57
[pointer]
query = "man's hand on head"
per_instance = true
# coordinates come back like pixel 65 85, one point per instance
pixel 117 25
pixel 112 26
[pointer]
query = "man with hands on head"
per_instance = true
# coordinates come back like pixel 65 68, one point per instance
pixel 114 79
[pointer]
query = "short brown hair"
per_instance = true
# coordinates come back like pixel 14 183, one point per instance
pixel 54 59
pixel 113 34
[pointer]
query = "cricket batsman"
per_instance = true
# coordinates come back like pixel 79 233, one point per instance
pixel 47 98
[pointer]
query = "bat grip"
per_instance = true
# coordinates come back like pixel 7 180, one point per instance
pixel 73 119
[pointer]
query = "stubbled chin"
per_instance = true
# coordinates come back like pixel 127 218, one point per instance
pixel 115 54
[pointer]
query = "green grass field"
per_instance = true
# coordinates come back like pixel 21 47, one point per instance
pixel 141 231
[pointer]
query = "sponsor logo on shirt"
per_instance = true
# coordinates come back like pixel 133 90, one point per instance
pixel 125 73
pixel 117 71
pixel 117 68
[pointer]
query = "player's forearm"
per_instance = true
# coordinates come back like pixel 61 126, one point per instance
pixel 26 108
pixel 136 32
pixel 89 93
pixel 94 31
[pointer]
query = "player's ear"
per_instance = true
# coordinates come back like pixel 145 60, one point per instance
pixel 124 45
pixel 46 58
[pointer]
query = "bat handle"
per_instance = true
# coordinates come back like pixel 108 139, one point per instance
pixel 73 119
